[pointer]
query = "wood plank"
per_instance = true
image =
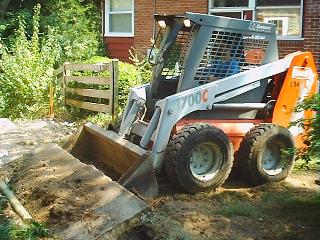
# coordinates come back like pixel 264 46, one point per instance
pixel 90 92
pixel 88 79
pixel 16 205
pixel 121 40
pixel 89 106
pixel 88 67
pixel 115 76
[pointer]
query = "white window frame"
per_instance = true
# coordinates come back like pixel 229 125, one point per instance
pixel 299 37
pixel 285 23
pixel 107 11
pixel 253 7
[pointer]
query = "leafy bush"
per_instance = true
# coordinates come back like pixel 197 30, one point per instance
pixel 310 153
pixel 68 31
pixel 26 71
pixel 77 25
pixel 101 119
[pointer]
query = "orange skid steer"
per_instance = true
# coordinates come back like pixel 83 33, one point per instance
pixel 219 96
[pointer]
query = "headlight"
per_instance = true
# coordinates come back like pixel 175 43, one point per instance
pixel 187 23
pixel 162 23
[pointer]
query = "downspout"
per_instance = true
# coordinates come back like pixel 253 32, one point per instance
pixel 154 21
pixel 103 8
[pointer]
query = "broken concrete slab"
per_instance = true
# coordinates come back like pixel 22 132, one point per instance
pixel 78 200
pixel 18 138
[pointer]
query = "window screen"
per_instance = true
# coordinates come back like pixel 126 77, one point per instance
pixel 265 3
pixel 230 3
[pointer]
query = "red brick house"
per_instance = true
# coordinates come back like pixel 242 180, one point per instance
pixel 130 22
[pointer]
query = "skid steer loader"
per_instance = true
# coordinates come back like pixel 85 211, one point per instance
pixel 203 109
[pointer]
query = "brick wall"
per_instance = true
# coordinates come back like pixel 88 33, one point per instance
pixel 144 23
pixel 311 26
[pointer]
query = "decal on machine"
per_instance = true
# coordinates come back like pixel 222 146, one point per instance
pixel 302 73
pixel 192 99
pixel 303 78
pixel 259 27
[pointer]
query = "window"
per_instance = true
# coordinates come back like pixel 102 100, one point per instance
pixel 285 14
pixel 242 9
pixel 230 3
pixel 282 26
pixel 278 3
pixel 119 17
pixel 230 14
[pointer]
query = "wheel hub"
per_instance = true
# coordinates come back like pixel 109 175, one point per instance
pixel 272 162
pixel 205 161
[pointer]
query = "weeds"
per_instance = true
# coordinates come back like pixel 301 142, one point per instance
pixel 312 164
pixel 239 209
pixel 26 70
pixel 29 232
pixel 101 119
pixel 3 204
pixel 11 231
pixel 33 231
pixel 305 210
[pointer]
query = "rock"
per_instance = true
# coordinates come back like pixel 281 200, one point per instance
pixel 3 153
pixel 27 143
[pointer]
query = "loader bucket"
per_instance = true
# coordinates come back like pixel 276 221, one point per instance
pixel 122 161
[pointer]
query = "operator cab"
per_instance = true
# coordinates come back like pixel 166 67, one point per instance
pixel 196 49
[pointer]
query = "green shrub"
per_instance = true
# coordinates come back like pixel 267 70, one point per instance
pixel 26 71
pixel 77 25
pixel 101 119
pixel 310 153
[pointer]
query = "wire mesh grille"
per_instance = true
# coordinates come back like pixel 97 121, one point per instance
pixel 229 53
pixel 173 65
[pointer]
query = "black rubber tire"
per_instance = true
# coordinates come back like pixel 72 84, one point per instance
pixel 177 160
pixel 252 147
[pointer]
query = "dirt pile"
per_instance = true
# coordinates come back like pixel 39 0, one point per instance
pixel 76 200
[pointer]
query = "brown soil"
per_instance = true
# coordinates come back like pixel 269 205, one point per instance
pixel 284 210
